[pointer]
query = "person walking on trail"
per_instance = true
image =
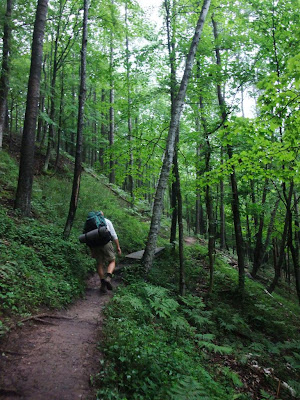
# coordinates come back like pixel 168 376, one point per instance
pixel 106 254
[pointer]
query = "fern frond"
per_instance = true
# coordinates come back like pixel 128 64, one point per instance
pixel 187 389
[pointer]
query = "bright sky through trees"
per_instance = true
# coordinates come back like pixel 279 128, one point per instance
pixel 151 7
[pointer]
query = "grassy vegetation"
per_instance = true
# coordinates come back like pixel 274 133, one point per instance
pixel 156 344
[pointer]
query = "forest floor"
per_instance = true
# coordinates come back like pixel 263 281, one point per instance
pixel 53 355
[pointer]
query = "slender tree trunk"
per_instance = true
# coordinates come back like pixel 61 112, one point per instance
pixel 258 250
pixel 253 198
pixel 211 230
pixel 199 225
pixel 270 230
pixel 237 225
pixel 170 24
pixel 169 153
pixel 280 261
pixel 112 176
pixel 208 201
pixel 5 70
pixel 129 121
pixel 174 219
pixel 24 189
pixel 41 122
pixel 222 210
pixel 103 131
pixel 198 190
pixel 80 123
pixel 52 91
pixel 180 228
pixel 235 195
pixel 295 252
pixel 61 106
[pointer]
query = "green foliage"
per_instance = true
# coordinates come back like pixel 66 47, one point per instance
pixel 37 267
pixel 152 337
pixel 8 174
pixel 152 351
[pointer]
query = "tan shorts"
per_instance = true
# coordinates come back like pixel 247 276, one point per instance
pixel 104 253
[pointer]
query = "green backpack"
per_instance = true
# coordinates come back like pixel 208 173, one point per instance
pixel 95 231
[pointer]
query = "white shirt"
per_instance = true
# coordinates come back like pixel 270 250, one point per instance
pixel 111 229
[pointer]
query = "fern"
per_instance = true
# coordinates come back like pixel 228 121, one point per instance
pixel 205 341
pixel 162 305
pixel 200 321
pixel 294 361
pixel 193 302
pixel 233 376
pixel 163 308
pixel 187 389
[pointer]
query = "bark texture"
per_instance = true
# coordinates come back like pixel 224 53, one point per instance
pixel 4 78
pixel 24 189
pixel 169 153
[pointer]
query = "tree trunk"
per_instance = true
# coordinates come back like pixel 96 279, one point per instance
pixel 41 122
pixel 171 50
pixel 208 201
pixel 222 211
pixel 237 225
pixel 103 131
pixel 61 107
pixel 82 95
pixel 174 219
pixel 51 133
pixel 129 121
pixel 295 251
pixel 169 153
pixel 24 189
pixel 5 71
pixel 279 263
pixel 258 250
pixel 235 195
pixel 180 228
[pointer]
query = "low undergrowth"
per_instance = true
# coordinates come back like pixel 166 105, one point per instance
pixel 38 268
pixel 158 345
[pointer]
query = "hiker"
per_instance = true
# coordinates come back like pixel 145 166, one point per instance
pixel 106 254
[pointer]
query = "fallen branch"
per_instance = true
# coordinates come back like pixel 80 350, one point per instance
pixel 9 392
pixel 43 321
pixel 12 352
pixel 41 316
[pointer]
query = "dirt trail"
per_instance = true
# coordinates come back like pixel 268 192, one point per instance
pixel 54 359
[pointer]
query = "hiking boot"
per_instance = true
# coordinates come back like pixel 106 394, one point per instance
pixel 108 283
pixel 103 287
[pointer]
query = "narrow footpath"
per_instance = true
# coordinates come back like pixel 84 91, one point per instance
pixel 53 355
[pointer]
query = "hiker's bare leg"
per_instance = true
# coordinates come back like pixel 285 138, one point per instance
pixel 100 270
pixel 108 275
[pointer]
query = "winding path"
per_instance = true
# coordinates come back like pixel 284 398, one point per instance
pixel 52 358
